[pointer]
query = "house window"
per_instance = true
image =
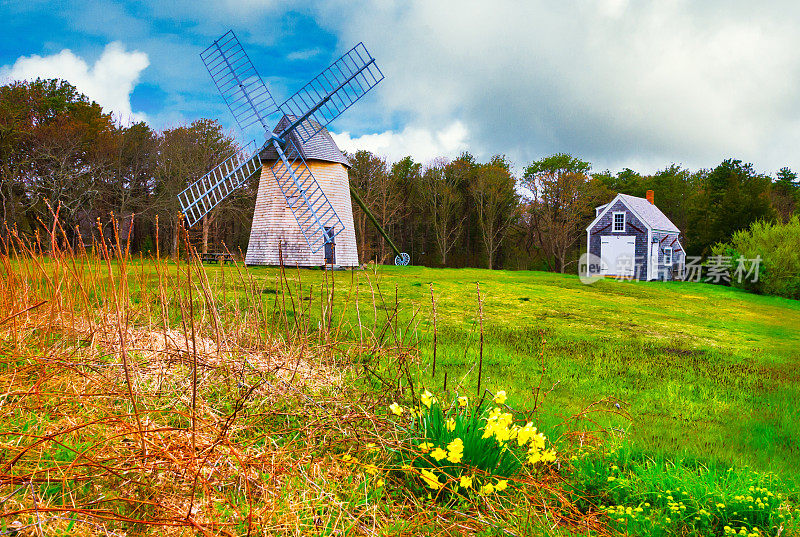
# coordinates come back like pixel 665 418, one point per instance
pixel 668 256
pixel 619 222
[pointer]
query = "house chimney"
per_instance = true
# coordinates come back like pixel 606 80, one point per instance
pixel 650 197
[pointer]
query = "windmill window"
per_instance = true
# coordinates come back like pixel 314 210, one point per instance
pixel 291 201
pixel 668 256
pixel 619 222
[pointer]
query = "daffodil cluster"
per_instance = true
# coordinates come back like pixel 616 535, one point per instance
pixel 464 449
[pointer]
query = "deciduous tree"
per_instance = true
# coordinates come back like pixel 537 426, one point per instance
pixel 443 203
pixel 559 205
pixel 495 202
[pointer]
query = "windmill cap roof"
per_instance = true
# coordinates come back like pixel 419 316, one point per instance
pixel 320 147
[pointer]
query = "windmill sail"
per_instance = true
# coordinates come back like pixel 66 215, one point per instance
pixel 307 112
pixel 314 213
pixel 331 92
pixel 209 191
pixel 238 81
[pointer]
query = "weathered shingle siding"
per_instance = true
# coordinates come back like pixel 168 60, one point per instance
pixel 667 239
pixel 603 228
pixel 274 224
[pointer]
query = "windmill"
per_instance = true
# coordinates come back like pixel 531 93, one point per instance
pixel 292 207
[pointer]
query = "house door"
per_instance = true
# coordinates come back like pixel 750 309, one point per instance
pixel 618 255
pixel 330 247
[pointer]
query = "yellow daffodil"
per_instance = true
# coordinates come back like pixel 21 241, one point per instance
pixel 455 451
pixel 347 457
pixel 503 434
pixel 500 397
pixel 451 424
pixel 456 445
pixel 466 482
pixel 498 424
pixel 549 456
pixel 438 454
pixel 427 398
pixel 396 409
pixel 425 447
pixel 501 485
pixel 455 456
pixel 525 433
pixel 488 488
pixel 379 483
pixel 462 401
pixel 371 469
pixel 431 480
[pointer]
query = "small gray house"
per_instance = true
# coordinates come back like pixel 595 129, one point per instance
pixel 634 239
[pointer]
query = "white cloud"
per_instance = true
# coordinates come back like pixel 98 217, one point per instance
pixel 420 143
pixel 109 81
pixel 611 81
pixel 306 54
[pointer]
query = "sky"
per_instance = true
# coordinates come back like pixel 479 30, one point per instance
pixel 619 83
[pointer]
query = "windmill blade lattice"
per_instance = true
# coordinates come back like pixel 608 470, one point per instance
pixel 238 81
pixel 331 92
pixel 209 191
pixel 310 207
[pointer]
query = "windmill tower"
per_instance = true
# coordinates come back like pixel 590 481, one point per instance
pixel 298 218
pixel 276 237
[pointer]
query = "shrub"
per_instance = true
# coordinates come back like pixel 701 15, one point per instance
pixel 778 246
pixel 466 450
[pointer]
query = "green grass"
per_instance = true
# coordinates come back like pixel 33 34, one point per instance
pixel 656 496
pixel 702 370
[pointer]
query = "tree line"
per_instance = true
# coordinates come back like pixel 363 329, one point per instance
pixel 463 213
pixel 60 153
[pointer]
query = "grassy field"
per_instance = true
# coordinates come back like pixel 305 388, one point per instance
pixel 155 398
pixel 704 370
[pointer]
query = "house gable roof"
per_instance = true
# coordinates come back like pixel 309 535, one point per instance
pixel 645 211
pixel 320 147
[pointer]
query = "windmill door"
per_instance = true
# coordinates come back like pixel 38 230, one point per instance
pixel 330 247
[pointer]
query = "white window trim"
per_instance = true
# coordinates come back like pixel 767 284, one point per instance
pixel 668 249
pixel 614 220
